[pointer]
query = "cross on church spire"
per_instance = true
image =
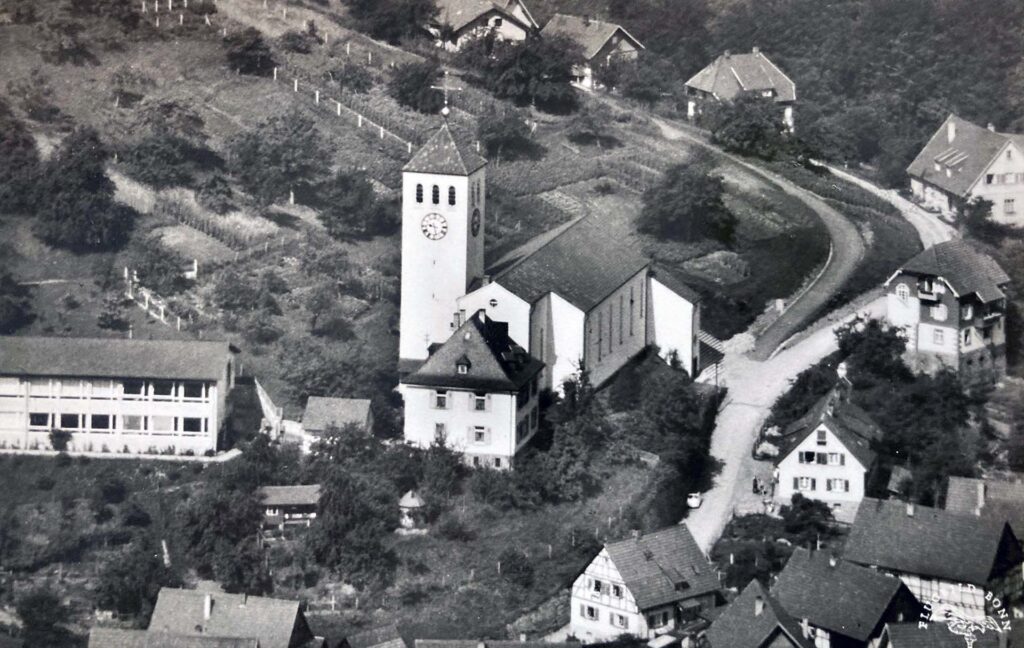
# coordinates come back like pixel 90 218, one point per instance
pixel 445 88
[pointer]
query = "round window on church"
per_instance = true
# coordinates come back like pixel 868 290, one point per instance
pixel 493 303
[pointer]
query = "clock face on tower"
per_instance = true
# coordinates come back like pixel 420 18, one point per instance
pixel 434 226
pixel 474 223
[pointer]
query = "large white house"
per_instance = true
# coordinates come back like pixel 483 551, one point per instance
pixel 461 21
pixel 645 586
pixel 601 43
pixel 114 395
pixel 827 455
pixel 963 161
pixel 731 76
pixel 478 393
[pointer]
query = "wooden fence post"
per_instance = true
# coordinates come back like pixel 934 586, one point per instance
pixel 337 104
pixel 295 86
pixel 275 74
pixel 317 96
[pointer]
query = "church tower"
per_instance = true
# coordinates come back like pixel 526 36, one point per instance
pixel 443 199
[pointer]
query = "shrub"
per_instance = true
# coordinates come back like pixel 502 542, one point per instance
pixel 451 527
pixel 62 460
pixel 391 20
pixel 113 490
pixel 59 440
pixel 247 52
pixel 45 483
pixel 215 194
pixel 410 85
pixel 516 568
pixel 298 42
pixel 353 77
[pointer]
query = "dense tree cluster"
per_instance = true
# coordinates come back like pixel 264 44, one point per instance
pixel 411 85
pixel 248 53
pixel 687 204
pixel 350 208
pixel 392 20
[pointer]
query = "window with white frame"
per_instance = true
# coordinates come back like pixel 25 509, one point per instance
pixel 192 425
pixel 39 420
pixel 134 389
pixel 589 612
pixel 133 422
pixel 70 421
pixel 617 591
pixel 838 485
pixel 479 402
pixel 805 483
pixel 822 437
pixel 479 434
pixel 938 337
pixel 440 431
pixel 620 621
pixel 193 390
pixel 1009 206
pixel 163 424
pixel 967 312
pixel 440 400
pixel 836 459
pixel 597 586
pixel 903 292
pixel 939 312
pixel 101 422
pixel 162 389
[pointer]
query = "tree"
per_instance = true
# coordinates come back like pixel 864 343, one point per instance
pixel 21 162
pixel 43 616
pixel 15 304
pixel 247 52
pixel 59 440
pixel 215 525
pixel 749 125
pixel 300 42
pixel 215 194
pixel 516 568
pixel 687 204
pixel 873 352
pixel 130 581
pixel 113 317
pixel 646 80
pixel 158 267
pixel 504 133
pixel 75 199
pixel 591 124
pixel 807 520
pixel 281 153
pixel 164 159
pixel 350 207
pixel 443 471
pixel 322 298
pixel 392 20
pixel 355 512
pixel 537 71
pixel 410 85
pixel 353 77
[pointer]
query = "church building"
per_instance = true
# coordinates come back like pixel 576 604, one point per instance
pixel 577 297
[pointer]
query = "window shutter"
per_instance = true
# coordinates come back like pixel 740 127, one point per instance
pixel 842 458
pixel 796 483
pixel 846 485
pixel 828 485
pixel 822 458
pixel 583 610
pixel 814 484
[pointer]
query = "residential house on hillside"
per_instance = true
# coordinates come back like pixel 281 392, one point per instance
pixel 938 635
pixel 460 21
pixel 962 161
pixel 827 454
pixel 289 505
pixel 583 297
pixel 755 619
pixel 645 586
pixel 999 499
pixel 382 637
pixel 478 392
pixel 951 301
pixel 602 43
pixel 323 413
pixel 843 605
pixel 273 623
pixel 114 395
pixel 948 560
pixel 733 75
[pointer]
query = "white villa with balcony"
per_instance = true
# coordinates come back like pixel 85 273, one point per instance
pixel 114 395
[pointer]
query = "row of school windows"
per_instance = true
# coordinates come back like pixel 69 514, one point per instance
pixel 810 484
pixel 105 423
pixel 475 194
pixel 193 391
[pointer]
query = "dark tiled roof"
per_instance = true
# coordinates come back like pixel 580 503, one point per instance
pixel 964 268
pixel 1001 499
pixel 589 33
pixel 496 362
pixel 849 423
pixel 322 412
pixel 935 635
pixel 583 264
pixel 271 621
pixel 459 13
pixel 967 156
pixel 847 599
pixel 444 154
pixel 663 567
pixel 931 542
pixel 739 626
pixel 113 358
pixel 729 75
pixel 114 638
pixel 290 495
pixel 383 637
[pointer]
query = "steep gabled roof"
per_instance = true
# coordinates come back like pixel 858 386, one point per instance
pixel 850 424
pixel 383 637
pixel 114 358
pixel 271 621
pixel 842 598
pixel 305 495
pixel 445 154
pixel 730 75
pixel 116 638
pixel 323 412
pixel 460 13
pixel 747 624
pixel 496 362
pixel 1000 499
pixel 583 264
pixel 971 151
pixel 589 33
pixel 964 268
pixel 926 541
pixel 663 567
pixel 934 635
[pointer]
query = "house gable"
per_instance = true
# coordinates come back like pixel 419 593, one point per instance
pixel 791 459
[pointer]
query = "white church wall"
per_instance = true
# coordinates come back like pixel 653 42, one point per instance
pixel 616 330
pixel 556 332
pixel 501 305
pixel 673 323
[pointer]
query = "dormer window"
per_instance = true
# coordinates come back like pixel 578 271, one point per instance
pixel 462 366
pixel 462 369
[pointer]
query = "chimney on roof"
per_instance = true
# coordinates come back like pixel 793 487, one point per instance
pixel 981 498
pixel 910 509
pixel 207 607
pixel 832 562
pixel 805 627
pixel 481 315
pixel 755 50
pixel 485 280
pixel 951 131
pixel 992 127
pixel 758 606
